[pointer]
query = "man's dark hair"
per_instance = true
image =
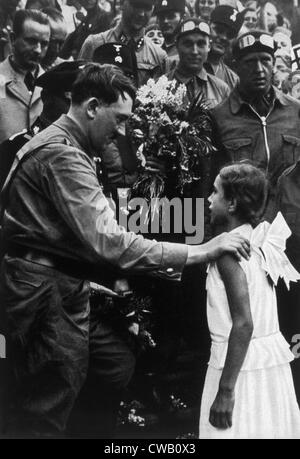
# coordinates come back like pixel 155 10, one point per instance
pixel 248 185
pixel 33 4
pixel 53 14
pixel 23 15
pixel 105 82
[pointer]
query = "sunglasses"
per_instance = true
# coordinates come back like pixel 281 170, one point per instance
pixel 191 25
pixel 250 40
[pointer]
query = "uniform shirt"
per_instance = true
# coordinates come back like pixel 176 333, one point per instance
pixel 55 205
pixel 10 147
pixel 224 73
pixel 272 143
pixel 214 90
pixel 151 59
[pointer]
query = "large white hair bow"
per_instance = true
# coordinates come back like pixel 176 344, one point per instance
pixel 269 241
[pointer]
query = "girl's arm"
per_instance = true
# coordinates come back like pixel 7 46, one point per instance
pixel 236 286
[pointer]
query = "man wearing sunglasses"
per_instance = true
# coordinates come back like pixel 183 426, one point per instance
pixel 258 122
pixel 193 46
pixel 225 25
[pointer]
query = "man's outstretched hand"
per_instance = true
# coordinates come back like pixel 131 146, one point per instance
pixel 232 243
pixel 235 244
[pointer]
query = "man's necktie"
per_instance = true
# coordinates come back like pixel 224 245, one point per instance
pixel 29 81
pixel 192 89
pixel 133 49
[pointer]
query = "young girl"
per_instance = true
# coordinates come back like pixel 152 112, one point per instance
pixel 249 391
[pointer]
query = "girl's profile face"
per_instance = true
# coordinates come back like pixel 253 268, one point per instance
pixel 218 204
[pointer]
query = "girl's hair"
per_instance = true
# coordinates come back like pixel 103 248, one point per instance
pixel 249 186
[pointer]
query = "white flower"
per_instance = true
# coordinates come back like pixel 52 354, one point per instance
pixel 163 92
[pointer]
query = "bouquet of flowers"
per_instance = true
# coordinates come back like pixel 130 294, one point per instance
pixel 167 127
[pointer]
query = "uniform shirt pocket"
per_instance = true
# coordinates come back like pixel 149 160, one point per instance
pixel 290 149
pixel 239 149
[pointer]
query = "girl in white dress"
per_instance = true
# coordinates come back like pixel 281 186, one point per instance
pixel 249 391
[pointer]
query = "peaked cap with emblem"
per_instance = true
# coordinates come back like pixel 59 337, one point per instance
pixel 169 5
pixel 117 54
pixel 228 16
pixel 255 41
pixel 61 77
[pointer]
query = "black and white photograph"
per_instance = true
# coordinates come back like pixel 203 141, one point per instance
pixel 150 222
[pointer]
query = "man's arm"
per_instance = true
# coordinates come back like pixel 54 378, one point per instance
pixel 74 190
pixel 236 286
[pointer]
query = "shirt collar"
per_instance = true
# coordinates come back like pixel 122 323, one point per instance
pixel 17 69
pixel 123 37
pixel 236 100
pixel 78 137
pixel 202 75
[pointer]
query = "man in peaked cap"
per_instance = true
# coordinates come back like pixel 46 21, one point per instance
pixel 56 86
pixel 258 122
pixel 170 13
pixel 136 14
pixel 225 25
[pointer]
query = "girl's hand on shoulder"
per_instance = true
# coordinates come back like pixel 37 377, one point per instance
pixel 222 409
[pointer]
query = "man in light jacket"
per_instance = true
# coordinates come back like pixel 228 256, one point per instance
pixel 20 101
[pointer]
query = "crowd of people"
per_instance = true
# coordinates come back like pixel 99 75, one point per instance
pixel 69 74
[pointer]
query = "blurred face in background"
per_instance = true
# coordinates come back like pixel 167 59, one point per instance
pixel 220 38
pixel 295 85
pixel 284 44
pixel 271 16
pixel 136 15
pixel 169 22
pixel 155 34
pixel 281 72
pixel 206 7
pixel 59 34
pixel 250 20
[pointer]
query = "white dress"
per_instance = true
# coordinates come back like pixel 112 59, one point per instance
pixel 265 401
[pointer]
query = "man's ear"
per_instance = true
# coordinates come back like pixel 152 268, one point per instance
pixel 93 105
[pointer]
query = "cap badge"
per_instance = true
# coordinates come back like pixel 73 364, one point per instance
pixel 233 17
pixel 118 48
